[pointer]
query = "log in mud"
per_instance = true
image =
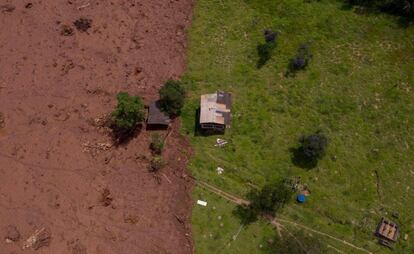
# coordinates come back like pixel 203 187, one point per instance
pixel 61 65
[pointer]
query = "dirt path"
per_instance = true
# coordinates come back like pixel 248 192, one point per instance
pixel 58 169
pixel 274 221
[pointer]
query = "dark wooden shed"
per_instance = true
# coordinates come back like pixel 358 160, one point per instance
pixel 156 117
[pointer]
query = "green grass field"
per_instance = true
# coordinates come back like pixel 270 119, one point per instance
pixel 358 90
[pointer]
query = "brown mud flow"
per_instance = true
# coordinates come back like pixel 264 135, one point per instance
pixel 64 187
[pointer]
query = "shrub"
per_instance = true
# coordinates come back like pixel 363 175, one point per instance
pixel 302 59
pixel 313 146
pixel 270 36
pixel 172 96
pixel 157 163
pixel 157 144
pixel 128 113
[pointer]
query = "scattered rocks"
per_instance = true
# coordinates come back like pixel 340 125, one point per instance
pixel 7 8
pixel 76 247
pixel 106 198
pixel 12 234
pixel 40 238
pixel 83 24
pixel 66 30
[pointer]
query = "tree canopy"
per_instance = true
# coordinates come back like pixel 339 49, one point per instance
pixel 172 96
pixel 128 112
pixel 314 146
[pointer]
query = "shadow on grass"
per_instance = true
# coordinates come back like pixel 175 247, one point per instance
pixel 265 52
pixel 198 131
pixel 404 19
pixel 301 160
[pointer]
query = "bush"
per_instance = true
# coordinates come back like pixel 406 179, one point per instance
pixel 128 113
pixel 157 163
pixel 172 96
pixel 157 143
pixel 314 146
pixel 302 59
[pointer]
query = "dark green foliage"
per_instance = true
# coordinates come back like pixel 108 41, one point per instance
pixel 268 201
pixel 314 146
pixel 265 50
pixel 157 163
pixel 172 96
pixel 301 60
pixel 298 242
pixel 128 113
pixel 157 143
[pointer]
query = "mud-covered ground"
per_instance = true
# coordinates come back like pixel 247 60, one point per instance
pixel 58 170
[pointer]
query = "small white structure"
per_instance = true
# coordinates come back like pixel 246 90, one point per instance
pixel 201 202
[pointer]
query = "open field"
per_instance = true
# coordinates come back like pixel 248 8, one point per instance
pixel 358 90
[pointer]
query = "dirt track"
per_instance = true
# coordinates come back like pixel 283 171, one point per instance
pixel 55 168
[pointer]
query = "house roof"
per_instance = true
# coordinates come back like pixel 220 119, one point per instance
pixel 388 230
pixel 156 116
pixel 216 108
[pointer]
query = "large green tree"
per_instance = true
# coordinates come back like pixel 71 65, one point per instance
pixel 172 96
pixel 128 112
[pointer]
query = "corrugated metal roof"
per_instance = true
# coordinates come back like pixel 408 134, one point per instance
pixel 216 108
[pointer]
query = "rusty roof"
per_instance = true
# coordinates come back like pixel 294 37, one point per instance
pixel 216 108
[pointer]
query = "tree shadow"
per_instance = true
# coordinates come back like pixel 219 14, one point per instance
pixel 404 20
pixel 301 160
pixel 121 137
pixel 265 51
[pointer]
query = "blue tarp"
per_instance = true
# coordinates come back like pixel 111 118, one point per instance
pixel 301 198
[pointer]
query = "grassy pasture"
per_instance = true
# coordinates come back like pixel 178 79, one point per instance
pixel 358 90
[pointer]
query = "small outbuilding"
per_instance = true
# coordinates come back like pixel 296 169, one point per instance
pixel 388 230
pixel 156 117
pixel 215 111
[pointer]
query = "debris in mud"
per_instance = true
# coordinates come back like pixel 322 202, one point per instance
pixel 40 238
pixel 7 8
pixel 94 149
pixel 66 30
pixel 28 5
pixel 69 65
pixel 83 24
pixel 2 121
pixel 106 198
pixel 76 247
pixel 131 219
pixel 11 234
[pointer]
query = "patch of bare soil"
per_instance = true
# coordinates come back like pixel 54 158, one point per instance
pixel 65 188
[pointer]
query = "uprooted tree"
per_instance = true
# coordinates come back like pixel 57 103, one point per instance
pixel 128 113
pixel 172 96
